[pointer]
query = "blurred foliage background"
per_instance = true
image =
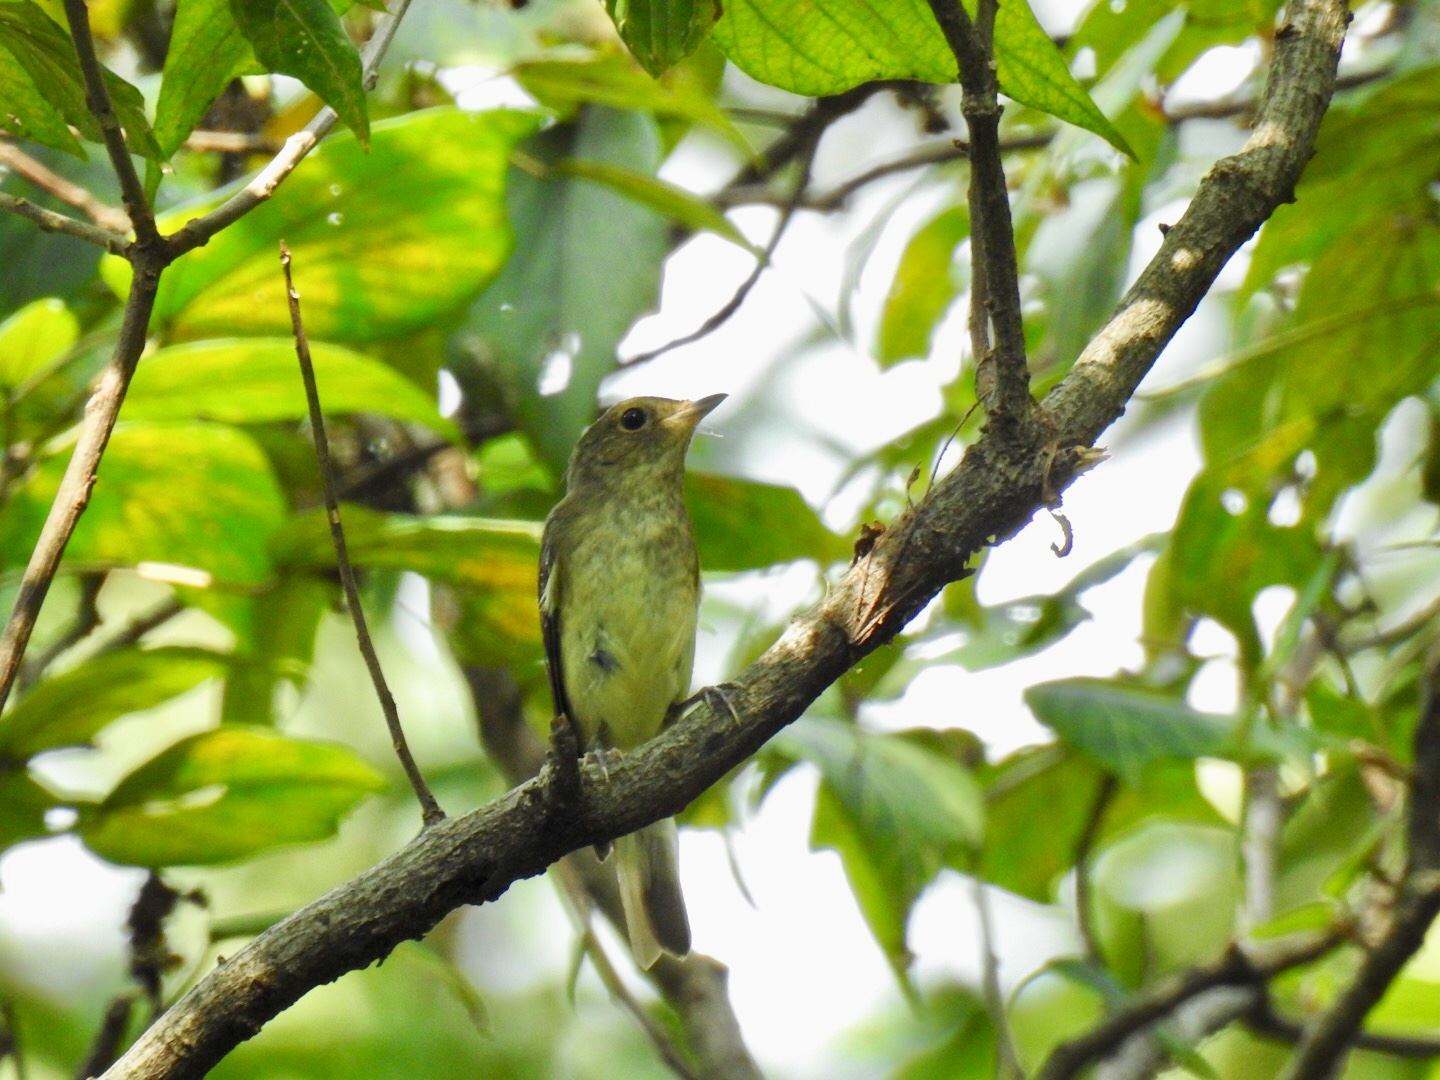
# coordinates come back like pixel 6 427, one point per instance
pixel 479 257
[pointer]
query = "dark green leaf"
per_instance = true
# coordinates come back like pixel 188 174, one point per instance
pixel 1328 840
pixel 1127 728
pixel 253 380
pixel 586 266
pixel 227 794
pixel 69 709
pixel 304 39
pixel 827 47
pixel 206 51
pixel 661 33
pixel 42 59
pixel 277 641
pixel 371 259
pixel 23 806
pixel 745 524
pixel 189 495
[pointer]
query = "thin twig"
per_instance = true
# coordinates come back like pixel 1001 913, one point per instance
pixel 55 222
pixel 720 317
pixel 67 191
pixel 232 142
pixel 1264 1020
pixel 1238 966
pixel 1007 1062
pixel 430 811
pixel 97 100
pixel 198 231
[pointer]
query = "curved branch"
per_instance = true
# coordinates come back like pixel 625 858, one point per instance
pixel 996 489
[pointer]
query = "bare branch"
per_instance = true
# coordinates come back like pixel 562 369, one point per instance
pixel 67 191
pixel 54 222
pixel 430 811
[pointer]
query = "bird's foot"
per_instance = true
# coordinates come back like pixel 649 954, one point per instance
pixel 718 697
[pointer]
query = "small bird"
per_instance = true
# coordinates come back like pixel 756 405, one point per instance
pixel 619 598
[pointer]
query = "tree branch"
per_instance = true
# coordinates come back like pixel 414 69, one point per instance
pixel 54 222
pixel 97 100
pixel 1002 381
pixel 990 495
pixel 1328 1039
pixel 67 191
pixel 1239 966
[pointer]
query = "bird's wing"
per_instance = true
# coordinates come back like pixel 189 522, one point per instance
pixel 550 585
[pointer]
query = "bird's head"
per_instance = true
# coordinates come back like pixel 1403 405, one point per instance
pixel 639 436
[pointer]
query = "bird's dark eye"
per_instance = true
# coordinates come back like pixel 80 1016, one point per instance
pixel 632 419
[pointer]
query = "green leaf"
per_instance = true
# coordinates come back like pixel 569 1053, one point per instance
pixel 925 286
pixel 277 643
pixel 611 80
pixel 371 260
pixel 493 564
pixel 304 39
pixel 746 524
pixel 895 810
pixel 23 806
pixel 673 202
pixel 586 267
pixel 190 495
pixel 1127 729
pixel 42 60
pixel 255 380
pixel 822 47
pixel 69 709
pixel 1111 29
pixel 206 51
pixel 1060 786
pixel 33 338
pixel 661 33
pixel 228 794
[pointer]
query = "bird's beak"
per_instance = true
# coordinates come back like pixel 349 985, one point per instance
pixel 692 412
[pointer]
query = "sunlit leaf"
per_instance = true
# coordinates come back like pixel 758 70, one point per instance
pixel 925 285
pixel 825 47
pixel 371 259
pixel 674 202
pixel 70 708
pixel 190 495
pixel 253 380
pixel 33 338
pixel 227 794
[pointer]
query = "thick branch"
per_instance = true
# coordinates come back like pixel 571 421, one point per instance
pixel 992 493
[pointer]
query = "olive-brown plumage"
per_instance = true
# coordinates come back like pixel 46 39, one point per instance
pixel 619 597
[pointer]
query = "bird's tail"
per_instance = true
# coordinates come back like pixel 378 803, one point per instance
pixel 648 865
